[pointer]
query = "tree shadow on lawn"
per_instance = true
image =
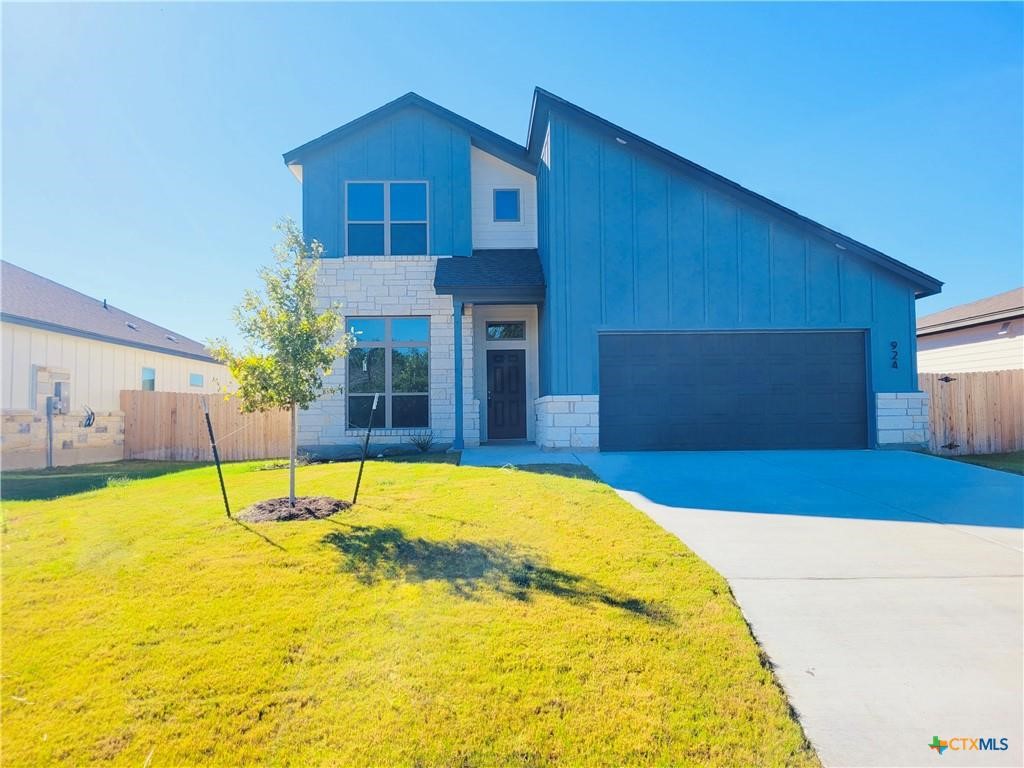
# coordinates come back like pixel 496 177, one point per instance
pixel 375 554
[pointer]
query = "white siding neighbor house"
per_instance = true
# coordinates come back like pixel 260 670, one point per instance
pixel 81 352
pixel 985 335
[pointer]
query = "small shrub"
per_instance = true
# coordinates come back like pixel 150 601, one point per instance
pixel 301 460
pixel 118 481
pixel 423 441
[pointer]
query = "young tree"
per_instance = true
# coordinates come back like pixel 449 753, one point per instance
pixel 290 344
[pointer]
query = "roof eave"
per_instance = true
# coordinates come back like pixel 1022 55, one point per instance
pixel 511 294
pixel 57 328
pixel 970 322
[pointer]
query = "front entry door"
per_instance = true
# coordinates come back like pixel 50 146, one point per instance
pixel 506 394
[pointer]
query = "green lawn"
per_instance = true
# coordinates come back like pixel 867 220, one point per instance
pixel 455 617
pixel 23 485
pixel 1007 462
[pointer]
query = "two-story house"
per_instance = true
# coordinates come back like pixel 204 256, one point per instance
pixel 592 289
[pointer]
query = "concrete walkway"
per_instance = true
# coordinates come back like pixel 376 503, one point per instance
pixel 886 587
pixel 501 455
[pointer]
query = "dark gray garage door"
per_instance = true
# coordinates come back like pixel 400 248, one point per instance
pixel 732 391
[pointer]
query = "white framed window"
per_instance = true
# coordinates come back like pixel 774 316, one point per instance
pixel 148 379
pixel 195 379
pixel 506 205
pixel 387 218
pixel 391 359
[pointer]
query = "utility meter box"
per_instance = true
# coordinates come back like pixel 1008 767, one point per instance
pixel 61 397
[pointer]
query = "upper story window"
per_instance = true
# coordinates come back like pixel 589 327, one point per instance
pixel 148 379
pixel 506 205
pixel 386 218
pixel 195 379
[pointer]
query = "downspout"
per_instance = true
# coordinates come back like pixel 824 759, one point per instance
pixel 457 443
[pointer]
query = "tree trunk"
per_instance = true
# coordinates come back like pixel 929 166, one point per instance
pixel 291 461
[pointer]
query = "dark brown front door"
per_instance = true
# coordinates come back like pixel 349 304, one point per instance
pixel 506 394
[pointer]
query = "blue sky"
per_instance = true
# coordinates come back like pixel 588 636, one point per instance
pixel 142 144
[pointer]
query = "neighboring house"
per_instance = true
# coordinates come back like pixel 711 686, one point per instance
pixel 985 335
pixel 592 289
pixel 81 351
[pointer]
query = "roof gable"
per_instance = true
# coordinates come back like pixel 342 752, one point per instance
pixel 480 137
pixel 544 103
pixel 32 300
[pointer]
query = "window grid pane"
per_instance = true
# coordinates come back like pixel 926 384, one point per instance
pixel 409 239
pixel 410 329
pixel 366 239
pixel 410 370
pixel 359 409
pixel 366 329
pixel 408 201
pixel 366 202
pixel 366 372
pixel 410 411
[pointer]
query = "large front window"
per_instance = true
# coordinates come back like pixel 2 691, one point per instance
pixel 386 218
pixel 391 359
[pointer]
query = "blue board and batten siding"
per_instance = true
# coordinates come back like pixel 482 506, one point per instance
pixel 410 145
pixel 630 243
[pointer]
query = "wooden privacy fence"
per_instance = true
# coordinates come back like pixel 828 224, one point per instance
pixel 172 426
pixel 972 413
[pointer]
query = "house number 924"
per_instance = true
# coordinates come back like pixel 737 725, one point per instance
pixel 894 353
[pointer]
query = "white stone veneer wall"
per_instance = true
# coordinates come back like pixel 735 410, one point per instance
pixel 901 418
pixel 394 287
pixel 567 421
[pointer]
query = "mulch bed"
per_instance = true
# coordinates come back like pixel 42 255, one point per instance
pixel 306 508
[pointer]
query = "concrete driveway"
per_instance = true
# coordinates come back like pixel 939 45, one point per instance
pixel 885 587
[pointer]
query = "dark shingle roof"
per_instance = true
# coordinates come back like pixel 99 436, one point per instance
pixel 513 268
pixel 29 299
pixel 1002 306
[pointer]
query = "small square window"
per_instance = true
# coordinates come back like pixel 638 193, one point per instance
pixel 506 205
pixel 148 379
pixel 195 379
pixel 506 331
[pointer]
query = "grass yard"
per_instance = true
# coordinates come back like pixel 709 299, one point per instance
pixel 457 617
pixel 24 485
pixel 1007 462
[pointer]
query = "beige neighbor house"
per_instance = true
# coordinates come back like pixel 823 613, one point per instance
pixel 984 335
pixel 67 356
